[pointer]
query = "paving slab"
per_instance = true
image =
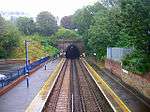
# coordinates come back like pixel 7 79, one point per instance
pixel 18 98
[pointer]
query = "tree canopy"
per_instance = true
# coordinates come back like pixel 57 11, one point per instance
pixel 26 25
pixel 84 18
pixel 13 35
pixel 67 22
pixel 63 33
pixel 46 23
pixel 2 26
pixel 117 23
pixel 111 23
pixel 9 37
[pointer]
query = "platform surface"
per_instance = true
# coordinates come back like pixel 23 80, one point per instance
pixel 18 98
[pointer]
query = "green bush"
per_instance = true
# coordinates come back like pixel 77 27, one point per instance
pixel 137 62
pixel 38 47
pixel 9 38
pixel 63 33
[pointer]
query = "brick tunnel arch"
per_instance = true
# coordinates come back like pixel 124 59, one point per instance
pixel 72 52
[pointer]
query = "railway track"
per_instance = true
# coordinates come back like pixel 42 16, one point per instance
pixel 58 100
pixel 129 97
pixel 76 87
pixel 93 98
pixel 76 91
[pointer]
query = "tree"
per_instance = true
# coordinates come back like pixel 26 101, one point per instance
pixel 63 33
pixel 136 23
pixel 66 22
pixel 26 25
pixel 109 3
pixel 8 39
pixel 98 34
pixel 84 19
pixel 2 26
pixel 2 31
pixel 46 23
pixel 126 25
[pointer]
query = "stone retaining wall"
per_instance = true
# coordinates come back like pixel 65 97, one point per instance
pixel 114 67
pixel 140 83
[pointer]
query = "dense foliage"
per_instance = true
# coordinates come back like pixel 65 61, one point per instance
pixel 13 35
pixel 26 25
pixel 46 23
pixel 38 47
pixel 109 3
pixel 137 62
pixel 111 23
pixel 67 22
pixel 117 23
pixel 63 33
pixel 9 37
pixel 83 19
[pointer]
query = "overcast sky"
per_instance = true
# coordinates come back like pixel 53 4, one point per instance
pixel 58 8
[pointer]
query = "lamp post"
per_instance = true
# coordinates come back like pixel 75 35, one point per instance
pixel 27 62
pixel 26 48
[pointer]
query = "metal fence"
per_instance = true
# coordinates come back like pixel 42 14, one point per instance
pixel 117 54
pixel 11 76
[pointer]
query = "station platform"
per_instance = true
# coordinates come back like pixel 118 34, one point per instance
pixel 18 98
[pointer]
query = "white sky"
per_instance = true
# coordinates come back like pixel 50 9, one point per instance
pixel 58 8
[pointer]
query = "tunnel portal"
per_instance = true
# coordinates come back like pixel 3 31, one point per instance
pixel 72 52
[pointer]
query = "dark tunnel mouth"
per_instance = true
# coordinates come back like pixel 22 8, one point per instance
pixel 72 52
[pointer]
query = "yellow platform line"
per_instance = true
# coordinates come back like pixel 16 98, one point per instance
pixel 39 100
pixel 99 81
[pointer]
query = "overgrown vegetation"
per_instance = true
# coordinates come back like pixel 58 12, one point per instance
pixel 137 62
pixel 111 23
pixel 63 33
pixel 46 23
pixel 12 37
pixel 117 23
pixel 9 37
pixel 38 47
pixel 42 34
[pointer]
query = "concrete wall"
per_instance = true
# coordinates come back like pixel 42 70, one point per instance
pixel 140 83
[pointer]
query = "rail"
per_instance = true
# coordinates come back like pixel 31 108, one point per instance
pixel 13 75
pixel 104 87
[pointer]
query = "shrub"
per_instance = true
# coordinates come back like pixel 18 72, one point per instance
pixel 137 62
